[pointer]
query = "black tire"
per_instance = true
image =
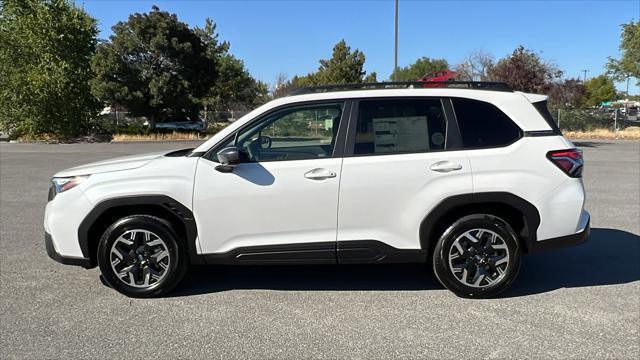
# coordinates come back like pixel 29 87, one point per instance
pixel 478 260
pixel 139 282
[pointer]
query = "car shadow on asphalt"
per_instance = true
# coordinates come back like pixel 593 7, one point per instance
pixel 589 144
pixel 207 279
pixel 608 257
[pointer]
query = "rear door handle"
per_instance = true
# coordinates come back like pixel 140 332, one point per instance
pixel 445 166
pixel 319 174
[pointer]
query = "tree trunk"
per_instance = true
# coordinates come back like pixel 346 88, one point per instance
pixel 152 122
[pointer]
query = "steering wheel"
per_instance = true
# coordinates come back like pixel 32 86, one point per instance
pixel 255 146
pixel 265 142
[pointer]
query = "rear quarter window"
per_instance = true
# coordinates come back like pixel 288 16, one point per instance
pixel 482 125
pixel 543 109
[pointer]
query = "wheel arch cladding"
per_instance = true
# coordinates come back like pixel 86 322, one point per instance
pixel 105 213
pixel 521 215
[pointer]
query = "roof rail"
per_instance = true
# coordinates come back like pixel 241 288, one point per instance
pixel 476 85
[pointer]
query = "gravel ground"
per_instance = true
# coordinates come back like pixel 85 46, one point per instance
pixel 581 302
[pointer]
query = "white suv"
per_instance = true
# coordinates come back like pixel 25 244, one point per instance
pixel 468 178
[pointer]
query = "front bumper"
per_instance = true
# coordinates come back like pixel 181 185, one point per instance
pixel 67 260
pixel 563 241
pixel 62 218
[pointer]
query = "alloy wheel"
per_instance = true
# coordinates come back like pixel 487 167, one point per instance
pixel 479 258
pixel 140 258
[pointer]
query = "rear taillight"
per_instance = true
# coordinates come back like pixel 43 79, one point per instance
pixel 569 161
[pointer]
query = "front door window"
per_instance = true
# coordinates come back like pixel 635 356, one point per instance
pixel 294 134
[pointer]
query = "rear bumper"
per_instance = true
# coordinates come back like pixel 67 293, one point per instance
pixel 67 260
pixel 563 241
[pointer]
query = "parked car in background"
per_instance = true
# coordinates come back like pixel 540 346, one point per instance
pixel 181 124
pixel 438 77
pixel 631 114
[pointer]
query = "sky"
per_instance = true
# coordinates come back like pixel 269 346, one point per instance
pixel 289 37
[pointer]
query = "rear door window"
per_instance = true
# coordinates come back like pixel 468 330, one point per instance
pixel 395 126
pixel 482 125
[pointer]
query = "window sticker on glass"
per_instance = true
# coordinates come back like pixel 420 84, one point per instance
pixel 401 134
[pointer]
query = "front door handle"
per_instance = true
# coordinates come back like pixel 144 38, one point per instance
pixel 445 166
pixel 319 174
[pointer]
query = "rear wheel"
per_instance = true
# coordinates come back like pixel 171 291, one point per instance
pixel 141 256
pixel 477 256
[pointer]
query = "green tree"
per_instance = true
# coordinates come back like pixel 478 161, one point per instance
pixel 45 49
pixel 235 88
pixel 307 80
pixel 629 63
pixel 599 89
pixel 156 66
pixel 419 69
pixel 344 66
pixel 372 77
pixel 524 70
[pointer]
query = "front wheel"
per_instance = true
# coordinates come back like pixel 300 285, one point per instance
pixel 141 256
pixel 477 256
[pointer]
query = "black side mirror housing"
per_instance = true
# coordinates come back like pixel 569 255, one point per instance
pixel 229 158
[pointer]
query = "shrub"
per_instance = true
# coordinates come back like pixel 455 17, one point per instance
pixel 584 120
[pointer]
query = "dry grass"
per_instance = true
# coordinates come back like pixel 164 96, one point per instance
pixel 630 133
pixel 48 138
pixel 160 137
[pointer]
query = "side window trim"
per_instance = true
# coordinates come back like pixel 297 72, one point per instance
pixel 346 103
pixel 350 140
pixel 343 129
pixel 453 138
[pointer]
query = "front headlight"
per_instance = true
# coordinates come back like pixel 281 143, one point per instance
pixel 62 184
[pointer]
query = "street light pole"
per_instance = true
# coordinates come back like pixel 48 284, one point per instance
pixel 395 61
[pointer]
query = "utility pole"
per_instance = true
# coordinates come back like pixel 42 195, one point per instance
pixel 627 86
pixel 626 110
pixel 395 61
pixel 585 75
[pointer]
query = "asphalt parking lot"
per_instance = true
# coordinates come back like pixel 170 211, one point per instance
pixel 581 302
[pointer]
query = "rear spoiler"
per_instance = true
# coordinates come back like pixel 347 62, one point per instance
pixel 534 98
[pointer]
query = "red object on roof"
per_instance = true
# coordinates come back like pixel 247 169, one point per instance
pixel 439 76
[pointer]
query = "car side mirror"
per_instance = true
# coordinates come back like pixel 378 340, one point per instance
pixel 228 158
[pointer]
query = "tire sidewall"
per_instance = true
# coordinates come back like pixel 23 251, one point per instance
pixel 441 255
pixel 177 264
